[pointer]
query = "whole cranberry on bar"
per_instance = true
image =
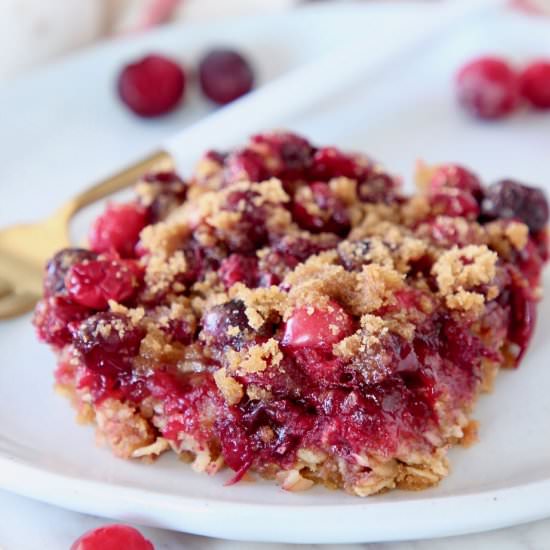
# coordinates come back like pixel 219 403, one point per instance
pixel 287 310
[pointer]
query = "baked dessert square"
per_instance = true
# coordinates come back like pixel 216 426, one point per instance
pixel 288 312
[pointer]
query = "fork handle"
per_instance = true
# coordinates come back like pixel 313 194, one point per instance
pixel 126 177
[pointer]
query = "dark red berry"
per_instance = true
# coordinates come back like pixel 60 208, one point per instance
pixel 238 269
pixel 535 84
pixel 290 154
pixel 324 212
pixel 377 187
pixel 52 317
pixel 118 228
pixel 57 267
pixel 244 165
pixel 488 88
pixel 93 284
pixel 448 201
pixel 511 199
pixel 109 333
pixel 330 162
pixel 250 232
pixel 112 537
pixel 456 177
pixel 227 324
pixel 225 75
pixel 168 191
pixel 152 86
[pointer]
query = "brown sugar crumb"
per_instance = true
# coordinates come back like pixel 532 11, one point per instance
pixel 260 303
pixel 231 390
pixel 517 234
pixel 256 358
pixel 376 286
pixel 463 268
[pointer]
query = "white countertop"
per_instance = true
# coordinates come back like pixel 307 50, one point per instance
pixel 30 525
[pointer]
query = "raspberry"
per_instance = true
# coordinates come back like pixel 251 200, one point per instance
pixel 225 75
pixel 488 88
pixel 151 86
pixel 118 228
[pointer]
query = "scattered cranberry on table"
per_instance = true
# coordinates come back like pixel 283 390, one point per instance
pixel 535 84
pixel 488 88
pixel 113 537
pixel 152 86
pixel 225 75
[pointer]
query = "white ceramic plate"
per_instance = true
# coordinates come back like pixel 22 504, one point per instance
pixel 55 146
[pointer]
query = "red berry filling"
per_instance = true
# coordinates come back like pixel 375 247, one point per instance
pixel 302 320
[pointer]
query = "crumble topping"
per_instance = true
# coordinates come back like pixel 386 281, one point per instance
pixel 287 311
pixel 464 268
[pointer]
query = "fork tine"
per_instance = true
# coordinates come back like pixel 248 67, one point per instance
pixel 12 305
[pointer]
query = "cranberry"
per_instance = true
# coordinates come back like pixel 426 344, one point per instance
pixel 454 202
pixel 330 162
pixel 329 215
pixel 523 312
pixel 377 187
pixel 250 232
pixel 488 88
pixel 244 165
pixel 169 191
pixel 118 228
pixel 181 330
pixel 108 342
pixel 511 199
pixel 52 317
pixel 312 327
pixel 57 267
pixel 227 325
pixel 225 75
pixel 293 153
pixel 94 283
pixel 535 84
pixel 112 537
pixel 353 254
pixel 151 86
pixel 238 269
pixel 107 332
pixel 456 177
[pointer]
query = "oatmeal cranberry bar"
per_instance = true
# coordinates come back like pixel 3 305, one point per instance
pixel 288 311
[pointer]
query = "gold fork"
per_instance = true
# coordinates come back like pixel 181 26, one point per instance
pixel 25 248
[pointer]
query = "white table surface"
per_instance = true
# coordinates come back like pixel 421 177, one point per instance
pixel 31 525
